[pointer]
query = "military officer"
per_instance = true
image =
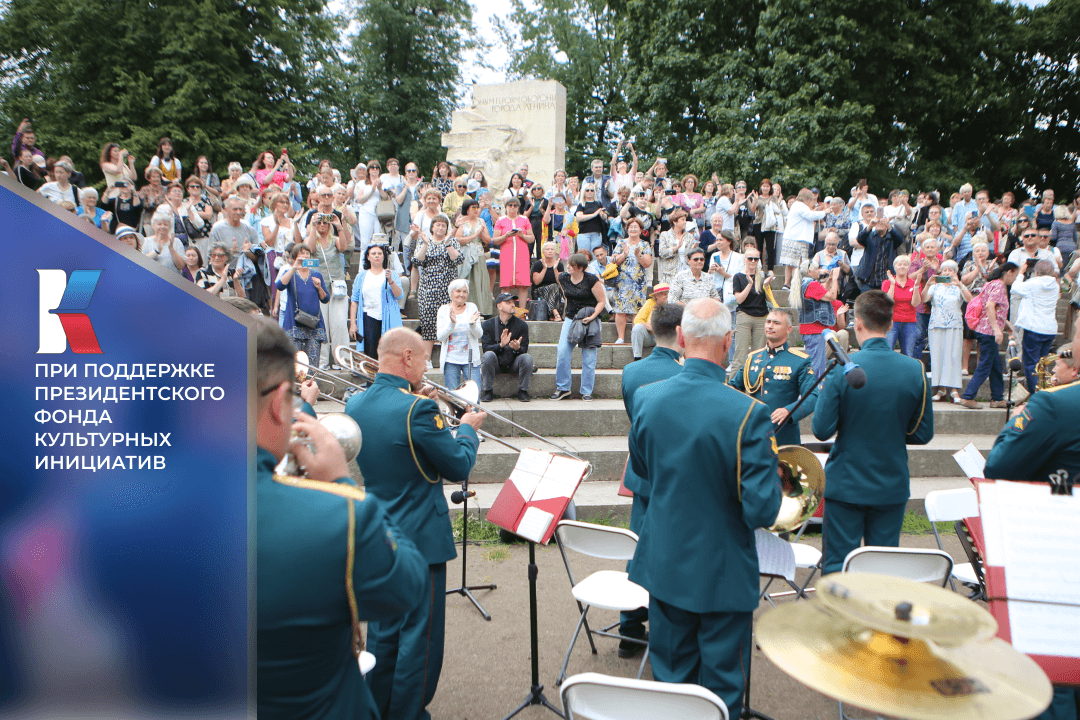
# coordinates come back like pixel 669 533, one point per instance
pixel 778 375
pixel 308 617
pixel 408 450
pixel 660 365
pixel 867 484
pixel 710 455
pixel 1045 435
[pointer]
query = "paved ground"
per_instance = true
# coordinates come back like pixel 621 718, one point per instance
pixel 486 672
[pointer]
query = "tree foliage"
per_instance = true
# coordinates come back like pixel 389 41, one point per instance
pixel 402 75
pixel 221 78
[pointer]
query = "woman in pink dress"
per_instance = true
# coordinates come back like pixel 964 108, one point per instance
pixel 514 238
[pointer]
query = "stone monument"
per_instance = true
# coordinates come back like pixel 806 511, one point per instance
pixel 508 124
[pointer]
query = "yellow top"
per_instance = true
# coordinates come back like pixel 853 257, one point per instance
pixel 645 313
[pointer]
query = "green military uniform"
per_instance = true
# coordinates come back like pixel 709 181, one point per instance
pixel 710 455
pixel 1044 440
pixel 661 364
pixel 778 377
pixel 306 665
pixel 867 484
pixel 407 452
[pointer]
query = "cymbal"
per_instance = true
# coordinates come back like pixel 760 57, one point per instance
pixel 935 614
pixel 910 678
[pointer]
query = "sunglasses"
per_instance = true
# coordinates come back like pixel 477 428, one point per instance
pixel 410 169
pixel 1030 235
pixel 750 259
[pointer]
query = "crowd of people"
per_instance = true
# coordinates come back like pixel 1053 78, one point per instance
pixel 582 249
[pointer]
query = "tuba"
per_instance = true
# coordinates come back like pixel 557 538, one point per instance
pixel 802 481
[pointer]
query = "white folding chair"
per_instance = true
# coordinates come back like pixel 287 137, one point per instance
pixel 950 506
pixel 807 557
pixel 917 564
pixel 592 696
pixel 607 589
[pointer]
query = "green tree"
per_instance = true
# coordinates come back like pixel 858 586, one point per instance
pixel 403 76
pixel 575 43
pixel 220 78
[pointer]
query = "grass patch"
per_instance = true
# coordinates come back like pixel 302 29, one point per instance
pixel 918 524
pixel 481 532
pixel 499 552
pixel 610 519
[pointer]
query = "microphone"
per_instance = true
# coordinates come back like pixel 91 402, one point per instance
pixel 855 375
pixel 458 496
pixel 1012 355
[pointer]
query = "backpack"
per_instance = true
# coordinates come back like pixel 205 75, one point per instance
pixel 974 311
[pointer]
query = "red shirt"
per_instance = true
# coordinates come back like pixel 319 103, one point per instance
pixel 816 291
pixel 902 309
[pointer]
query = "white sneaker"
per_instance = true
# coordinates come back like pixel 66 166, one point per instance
pixel 620 341
pixel 430 366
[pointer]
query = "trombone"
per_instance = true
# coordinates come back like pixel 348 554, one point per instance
pixel 464 399
pixel 320 375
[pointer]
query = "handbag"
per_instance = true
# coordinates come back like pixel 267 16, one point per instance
pixel 385 210
pixel 768 223
pixel 304 319
pixel 611 271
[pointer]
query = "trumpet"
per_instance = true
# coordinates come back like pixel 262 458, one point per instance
pixel 452 403
pixel 304 371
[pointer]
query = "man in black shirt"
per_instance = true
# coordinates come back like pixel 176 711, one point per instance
pixel 506 349
pixel 750 317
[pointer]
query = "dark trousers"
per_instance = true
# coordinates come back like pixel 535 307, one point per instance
pixel 847 525
pixel 372 330
pixel 408 654
pixel 921 335
pixel 1065 705
pixel 489 367
pixel 989 367
pixel 707 649
pixel 1035 346
pixel 632 623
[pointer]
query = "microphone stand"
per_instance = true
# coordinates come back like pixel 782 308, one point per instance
pixel 466 590
pixel 828 368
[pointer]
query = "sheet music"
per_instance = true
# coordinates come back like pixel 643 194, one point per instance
pixel 971 461
pixel 990 511
pixel 1040 536
pixel 561 479
pixel 534 524
pixel 1042 629
pixel 530 468
pixel 775 556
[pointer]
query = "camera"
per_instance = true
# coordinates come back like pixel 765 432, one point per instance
pixel 325 217
pixel 310 263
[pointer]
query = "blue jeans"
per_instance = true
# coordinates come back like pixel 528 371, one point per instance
pixel 589 241
pixel 1035 346
pixel 989 366
pixel 905 332
pixel 816 347
pixel 454 374
pixel 922 334
pixel 562 361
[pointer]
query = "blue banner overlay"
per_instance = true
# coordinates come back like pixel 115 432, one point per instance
pixel 125 487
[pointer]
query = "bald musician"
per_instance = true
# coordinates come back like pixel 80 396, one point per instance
pixel 306 622
pixel 408 451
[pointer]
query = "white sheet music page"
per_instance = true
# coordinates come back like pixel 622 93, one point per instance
pixel 1039 537
pixel 531 466
pixel 534 524
pixel 561 478
pixel 971 461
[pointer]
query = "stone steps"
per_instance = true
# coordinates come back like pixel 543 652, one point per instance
pixel 602 499
pixel 607 454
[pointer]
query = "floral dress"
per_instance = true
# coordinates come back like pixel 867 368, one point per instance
pixel 630 283
pixel 673 262
pixel 437 270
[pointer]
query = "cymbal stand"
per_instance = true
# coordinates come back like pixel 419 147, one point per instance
pixel 536 693
pixel 747 711
pixel 466 590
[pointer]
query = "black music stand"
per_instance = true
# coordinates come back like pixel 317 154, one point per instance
pixel 536 693
pixel 466 590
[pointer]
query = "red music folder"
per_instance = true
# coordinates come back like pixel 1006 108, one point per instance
pixel 535 496
pixel 1031 563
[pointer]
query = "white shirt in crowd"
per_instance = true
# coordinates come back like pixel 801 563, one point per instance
pixel 800 223
pixel 1038 304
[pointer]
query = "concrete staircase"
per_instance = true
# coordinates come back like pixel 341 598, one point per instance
pixel 597 430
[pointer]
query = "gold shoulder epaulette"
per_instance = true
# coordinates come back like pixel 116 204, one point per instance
pixel 334 488
pixel 759 350
pixel 799 352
